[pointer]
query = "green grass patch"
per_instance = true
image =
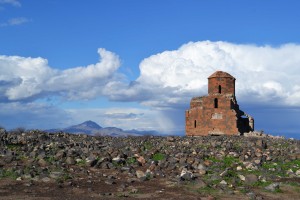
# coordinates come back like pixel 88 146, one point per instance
pixel 215 182
pixel 22 157
pixel 244 190
pixel 147 146
pixel 118 164
pixel 231 173
pixel 255 172
pixel 49 159
pixel 294 165
pixel 278 190
pixel 228 161
pixel 14 147
pixel 267 165
pixel 207 190
pixel 130 160
pixel 81 162
pixel 64 177
pixel 237 146
pixel 7 173
pixel 281 145
pixel 294 184
pixel 213 159
pixel 158 156
pixel 202 146
pixel 261 184
pixel 280 168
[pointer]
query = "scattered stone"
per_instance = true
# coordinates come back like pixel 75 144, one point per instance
pixel 224 173
pixel 298 172
pixel 117 159
pixel 273 187
pixel 110 182
pixel 46 179
pixel 242 177
pixel 91 161
pixel 257 161
pixel 42 163
pixel 123 194
pixel 131 180
pixel 134 190
pixel 251 195
pixel 250 179
pixel 141 175
pixel 202 171
pixel 55 175
pixel 106 194
pixel 186 175
pixel 141 160
pixel 200 183
pixel 70 161
pixel 2 163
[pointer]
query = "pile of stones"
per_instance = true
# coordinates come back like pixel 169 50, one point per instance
pixel 212 162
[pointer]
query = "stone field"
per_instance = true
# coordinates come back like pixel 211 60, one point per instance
pixel 40 165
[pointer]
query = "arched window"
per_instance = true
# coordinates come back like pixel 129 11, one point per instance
pixel 220 89
pixel 195 124
pixel 216 103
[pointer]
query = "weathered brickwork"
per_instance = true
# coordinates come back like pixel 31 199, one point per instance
pixel 218 113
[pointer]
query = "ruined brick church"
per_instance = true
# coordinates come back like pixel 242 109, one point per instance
pixel 217 113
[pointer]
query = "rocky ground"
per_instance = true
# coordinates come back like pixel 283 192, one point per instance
pixel 39 165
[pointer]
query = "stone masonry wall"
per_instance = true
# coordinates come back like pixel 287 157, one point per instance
pixel 208 120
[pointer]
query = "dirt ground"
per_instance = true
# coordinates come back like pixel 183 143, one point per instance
pixel 152 189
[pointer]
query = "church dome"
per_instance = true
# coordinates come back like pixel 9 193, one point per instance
pixel 220 74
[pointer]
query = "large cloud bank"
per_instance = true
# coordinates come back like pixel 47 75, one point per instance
pixel 265 74
pixel 26 79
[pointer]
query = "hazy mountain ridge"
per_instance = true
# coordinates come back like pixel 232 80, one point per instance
pixel 92 128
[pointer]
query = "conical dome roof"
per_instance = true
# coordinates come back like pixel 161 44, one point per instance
pixel 220 74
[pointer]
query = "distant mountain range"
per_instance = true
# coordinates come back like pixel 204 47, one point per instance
pixel 92 128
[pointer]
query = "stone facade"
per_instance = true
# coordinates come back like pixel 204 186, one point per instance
pixel 218 113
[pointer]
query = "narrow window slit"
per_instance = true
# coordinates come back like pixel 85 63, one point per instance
pixel 216 102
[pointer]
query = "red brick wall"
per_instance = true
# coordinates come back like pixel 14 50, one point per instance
pixel 227 85
pixel 209 120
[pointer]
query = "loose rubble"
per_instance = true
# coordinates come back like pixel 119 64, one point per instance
pixel 214 165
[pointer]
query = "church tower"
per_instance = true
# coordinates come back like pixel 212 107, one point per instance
pixel 221 83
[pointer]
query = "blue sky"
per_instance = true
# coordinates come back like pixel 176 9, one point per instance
pixel 136 64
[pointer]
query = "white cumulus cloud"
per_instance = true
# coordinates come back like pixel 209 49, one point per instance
pixel 31 78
